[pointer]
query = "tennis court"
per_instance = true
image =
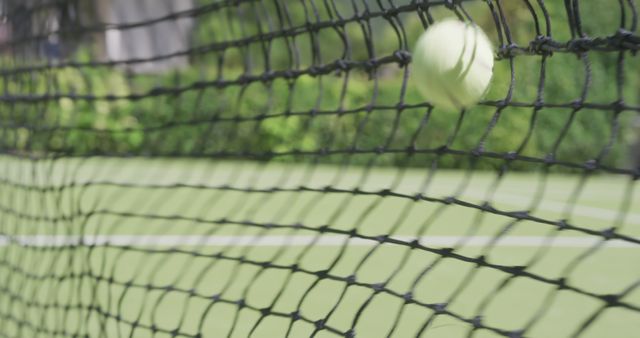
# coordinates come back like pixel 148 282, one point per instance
pixel 319 168
pixel 214 233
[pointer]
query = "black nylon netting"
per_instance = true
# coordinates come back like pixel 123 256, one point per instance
pixel 265 168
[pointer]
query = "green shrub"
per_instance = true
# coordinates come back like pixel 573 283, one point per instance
pixel 330 113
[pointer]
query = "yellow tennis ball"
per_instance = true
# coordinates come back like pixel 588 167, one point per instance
pixel 452 64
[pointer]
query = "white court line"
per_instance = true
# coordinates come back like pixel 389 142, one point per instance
pixel 300 240
pixel 577 210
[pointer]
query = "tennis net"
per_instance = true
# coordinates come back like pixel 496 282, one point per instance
pixel 254 168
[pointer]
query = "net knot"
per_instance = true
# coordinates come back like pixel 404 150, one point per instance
pixel 350 334
pixel 314 71
pixel 590 165
pixel 423 5
pixel 267 76
pixel 414 244
pixel 451 4
pixel 311 27
pixel 445 252
pixel 408 297
pixel 382 238
pixel 351 279
pixel 510 156
pixel 550 159
pixel 243 79
pixel 508 51
pixel 501 104
pixel 538 104
pixel 562 224
pixel 322 273
pixel 370 65
pixel 611 300
pixel 411 149
pixel 523 214
pixel 402 57
pixel 389 13
pixel 541 45
pixel 486 206
pixel 562 283
pixel 289 74
pixel 624 39
pixel 353 233
pixel 517 270
pixel 477 152
pixel 516 334
pixel 619 105
pixel 477 322
pixel 378 287
pixel 608 233
pixel 200 85
pixel 579 45
pixel 442 150
pixel 342 65
pixel 440 308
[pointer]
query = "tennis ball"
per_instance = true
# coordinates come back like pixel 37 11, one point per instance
pixel 452 64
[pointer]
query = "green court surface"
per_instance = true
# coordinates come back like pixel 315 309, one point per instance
pixel 177 248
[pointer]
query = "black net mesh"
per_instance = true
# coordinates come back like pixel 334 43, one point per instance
pixel 266 168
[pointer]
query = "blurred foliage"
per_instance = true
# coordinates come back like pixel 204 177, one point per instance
pixel 135 115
